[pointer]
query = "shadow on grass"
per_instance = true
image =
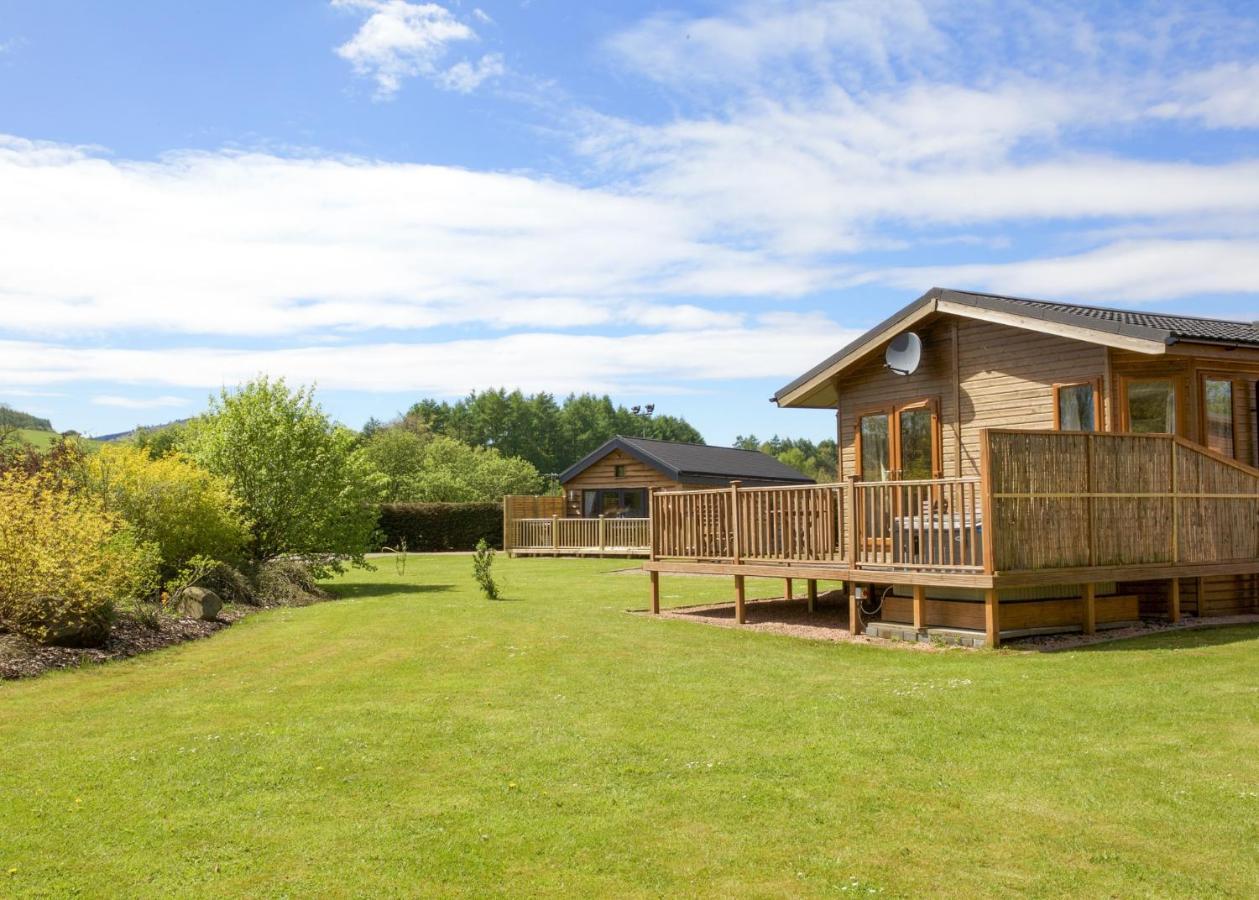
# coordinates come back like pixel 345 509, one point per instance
pixel 371 589
pixel 1206 636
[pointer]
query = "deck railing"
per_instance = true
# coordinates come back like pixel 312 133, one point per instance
pixel 934 524
pixel 1044 501
pixel 760 524
pixel 559 533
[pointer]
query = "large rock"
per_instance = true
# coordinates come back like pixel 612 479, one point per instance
pixel 197 603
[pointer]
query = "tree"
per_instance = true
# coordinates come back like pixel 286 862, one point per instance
pixel 306 490
pixel 453 472
pixel 535 427
pixel 817 460
pixel 398 454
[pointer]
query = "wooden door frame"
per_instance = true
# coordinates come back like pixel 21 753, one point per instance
pixel 893 412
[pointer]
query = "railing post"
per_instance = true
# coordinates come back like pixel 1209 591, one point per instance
pixel 651 524
pixel 735 552
pixel 603 533
pixel 555 533
pixel 506 523
pixel 985 493
pixel 854 515
pixel 1175 504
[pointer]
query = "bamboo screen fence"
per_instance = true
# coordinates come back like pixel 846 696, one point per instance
pixel 1066 500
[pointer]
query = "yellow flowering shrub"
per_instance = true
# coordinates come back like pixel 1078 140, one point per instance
pixel 65 561
pixel 170 501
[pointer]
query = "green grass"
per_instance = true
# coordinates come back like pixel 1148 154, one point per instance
pixel 42 440
pixel 416 739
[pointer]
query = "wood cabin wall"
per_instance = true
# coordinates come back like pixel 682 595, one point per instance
pixel 1002 376
pixel 603 475
pixel 1220 595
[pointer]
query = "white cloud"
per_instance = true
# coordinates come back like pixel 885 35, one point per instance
pixel 254 244
pixel 400 40
pixel 770 347
pixel 750 41
pixel 1131 271
pixel 138 402
pixel 466 77
pixel 1225 96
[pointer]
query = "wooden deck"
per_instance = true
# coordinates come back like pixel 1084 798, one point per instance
pixel 1048 508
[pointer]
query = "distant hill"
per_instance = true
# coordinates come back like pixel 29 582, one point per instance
pixel 11 416
pixel 127 435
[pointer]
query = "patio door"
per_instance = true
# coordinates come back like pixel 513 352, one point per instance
pixel 895 443
pixel 899 443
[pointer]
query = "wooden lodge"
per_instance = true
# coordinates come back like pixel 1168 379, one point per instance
pixel 1007 467
pixel 603 509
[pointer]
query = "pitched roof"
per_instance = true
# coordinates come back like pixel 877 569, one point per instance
pixel 694 463
pixel 1140 331
pixel 1152 326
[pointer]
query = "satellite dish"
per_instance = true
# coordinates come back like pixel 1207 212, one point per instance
pixel 904 354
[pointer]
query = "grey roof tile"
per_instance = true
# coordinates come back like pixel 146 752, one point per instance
pixel 695 462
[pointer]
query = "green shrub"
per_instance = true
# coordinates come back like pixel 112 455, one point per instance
pixel 305 488
pixel 483 570
pixel 65 561
pixel 170 501
pixel 429 527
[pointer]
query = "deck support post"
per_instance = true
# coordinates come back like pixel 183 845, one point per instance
pixel 812 582
pixel 1173 601
pixel 555 534
pixel 740 600
pixel 603 533
pixel 788 589
pixel 920 607
pixel 655 593
pixel 854 611
pixel 1089 625
pixel 992 619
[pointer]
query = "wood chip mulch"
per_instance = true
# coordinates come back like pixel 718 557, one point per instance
pixel 24 658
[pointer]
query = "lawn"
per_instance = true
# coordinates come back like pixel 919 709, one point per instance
pixel 413 738
pixel 42 440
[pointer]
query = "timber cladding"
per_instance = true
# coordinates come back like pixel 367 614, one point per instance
pixel 1000 377
pixel 1016 615
pixel 635 474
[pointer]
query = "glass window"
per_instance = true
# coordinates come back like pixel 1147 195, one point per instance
pixel 590 504
pixel 618 471
pixel 916 443
pixel 1077 409
pixel 1152 407
pixel 876 452
pixel 635 504
pixel 1217 396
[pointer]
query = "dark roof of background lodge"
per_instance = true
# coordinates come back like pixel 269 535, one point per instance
pixel 694 462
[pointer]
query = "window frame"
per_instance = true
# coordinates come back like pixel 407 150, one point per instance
pixel 1204 376
pixel 1096 384
pixel 1177 382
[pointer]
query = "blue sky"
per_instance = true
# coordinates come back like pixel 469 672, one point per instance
pixel 679 204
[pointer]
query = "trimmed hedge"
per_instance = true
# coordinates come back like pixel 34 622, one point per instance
pixel 441 526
